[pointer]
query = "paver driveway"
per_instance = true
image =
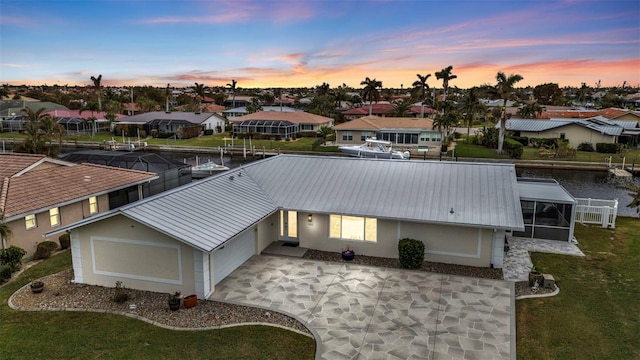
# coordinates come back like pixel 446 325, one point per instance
pixel 364 312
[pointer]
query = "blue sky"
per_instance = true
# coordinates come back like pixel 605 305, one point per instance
pixel 306 43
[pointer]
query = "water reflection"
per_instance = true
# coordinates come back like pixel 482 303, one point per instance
pixel 589 184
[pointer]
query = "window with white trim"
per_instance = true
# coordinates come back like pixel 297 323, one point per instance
pixel 54 217
pixel 30 221
pixel 353 228
pixel 347 136
pixel 93 205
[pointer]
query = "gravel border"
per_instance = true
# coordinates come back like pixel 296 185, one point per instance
pixel 61 295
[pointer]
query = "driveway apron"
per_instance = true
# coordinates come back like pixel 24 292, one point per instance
pixel 365 312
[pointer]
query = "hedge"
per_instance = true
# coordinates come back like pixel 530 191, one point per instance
pixel 514 148
pixel 12 256
pixel 521 139
pixel 585 146
pixel 608 148
pixel 411 253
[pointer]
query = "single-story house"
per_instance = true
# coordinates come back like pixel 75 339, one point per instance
pixel 171 121
pixel 39 194
pixel 383 109
pixel 576 131
pixel 190 238
pixel 415 133
pixel 276 123
pixel 76 121
pixel 238 100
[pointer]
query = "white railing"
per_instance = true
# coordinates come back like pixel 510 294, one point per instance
pixel 597 211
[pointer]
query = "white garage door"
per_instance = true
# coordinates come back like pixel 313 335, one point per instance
pixel 234 254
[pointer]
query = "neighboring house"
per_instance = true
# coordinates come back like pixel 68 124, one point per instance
pixel 240 100
pixel 576 131
pixel 76 121
pixel 12 108
pixel 40 194
pixel 282 124
pixel 410 132
pixel 170 121
pixel 190 238
pixel 383 109
pixel 242 110
pixel 563 113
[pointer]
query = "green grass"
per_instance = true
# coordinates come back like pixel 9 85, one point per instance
pixel 76 335
pixel 597 313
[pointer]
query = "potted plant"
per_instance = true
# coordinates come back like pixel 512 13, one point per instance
pixel 190 301
pixel 535 276
pixel 174 301
pixel 37 286
pixel 348 254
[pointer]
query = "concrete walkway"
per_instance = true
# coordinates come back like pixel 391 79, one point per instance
pixel 362 312
pixel 517 261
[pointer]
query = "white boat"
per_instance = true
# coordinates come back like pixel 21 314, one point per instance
pixel 372 148
pixel 206 169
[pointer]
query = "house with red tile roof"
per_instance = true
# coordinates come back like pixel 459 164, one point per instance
pixel 404 133
pixel 384 109
pixel 38 194
pixel 281 124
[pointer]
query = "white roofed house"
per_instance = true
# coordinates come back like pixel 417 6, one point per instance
pixel 190 238
pixel 169 122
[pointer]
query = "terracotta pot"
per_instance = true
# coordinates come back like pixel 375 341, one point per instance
pixel 190 301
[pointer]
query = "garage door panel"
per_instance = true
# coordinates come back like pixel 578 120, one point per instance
pixel 234 254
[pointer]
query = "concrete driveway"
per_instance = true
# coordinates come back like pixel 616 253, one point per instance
pixel 363 312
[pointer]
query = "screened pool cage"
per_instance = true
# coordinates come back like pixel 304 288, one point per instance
pixel 282 128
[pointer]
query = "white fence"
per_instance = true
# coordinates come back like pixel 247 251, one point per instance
pixel 596 211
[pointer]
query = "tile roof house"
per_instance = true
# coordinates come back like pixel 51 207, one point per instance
pixel 383 109
pixel 242 110
pixel 279 124
pixel 193 236
pixel 405 133
pixel 38 194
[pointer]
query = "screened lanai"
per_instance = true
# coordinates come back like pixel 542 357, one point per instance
pixel 548 210
pixel 282 128
pixel 74 125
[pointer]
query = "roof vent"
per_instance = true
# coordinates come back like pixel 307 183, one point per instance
pixel 239 174
pixel 451 211
pixel 231 177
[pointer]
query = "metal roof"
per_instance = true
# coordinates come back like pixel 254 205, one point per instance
pixel 207 213
pixel 544 190
pixel 532 125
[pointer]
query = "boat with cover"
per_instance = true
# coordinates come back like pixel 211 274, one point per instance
pixel 373 148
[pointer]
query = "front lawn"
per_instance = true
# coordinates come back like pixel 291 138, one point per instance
pixel 597 313
pixel 84 335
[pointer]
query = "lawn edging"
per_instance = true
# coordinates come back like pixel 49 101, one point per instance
pixel 534 296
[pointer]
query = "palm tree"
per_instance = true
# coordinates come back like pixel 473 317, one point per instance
pixel 5 231
pixel 402 108
pixel 422 88
pixel 445 122
pixel 97 84
pixel 167 93
pixel 93 107
pixel 471 106
pixel 530 111
pixel 505 90
pixel 370 91
pixel 51 129
pixel 199 89
pixel 232 87
pixel 446 75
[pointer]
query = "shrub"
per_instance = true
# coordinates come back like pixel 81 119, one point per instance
pixel 208 132
pixel 514 148
pixel 42 252
pixel 411 253
pixel 120 295
pixel 51 245
pixel 607 148
pixel 549 143
pixel 521 139
pixel 5 273
pixel 585 146
pixel 12 256
pixel 65 241
pixel 154 133
pixel 218 129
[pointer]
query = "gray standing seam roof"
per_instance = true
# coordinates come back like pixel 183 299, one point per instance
pixel 209 212
pixel 531 189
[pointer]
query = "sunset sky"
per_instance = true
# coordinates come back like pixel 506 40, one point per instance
pixel 305 43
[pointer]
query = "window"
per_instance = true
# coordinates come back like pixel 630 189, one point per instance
pixel 364 135
pixel 563 136
pixel 93 205
pixel 30 221
pixel 306 127
pixel 347 136
pixel 353 228
pixel 54 217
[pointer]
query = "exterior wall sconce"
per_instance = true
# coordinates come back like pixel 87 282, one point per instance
pixel 309 218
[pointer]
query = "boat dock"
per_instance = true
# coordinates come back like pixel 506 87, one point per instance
pixel 620 172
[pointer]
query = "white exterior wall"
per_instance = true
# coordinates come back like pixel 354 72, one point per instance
pixel 576 135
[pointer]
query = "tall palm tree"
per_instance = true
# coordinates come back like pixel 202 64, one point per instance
pixel 92 107
pixel 634 192
pixel 402 108
pixel 505 90
pixel 97 84
pixel 471 106
pixel 445 75
pixel 370 91
pixel 422 88
pixel 232 87
pixel 167 93
pixel 199 89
